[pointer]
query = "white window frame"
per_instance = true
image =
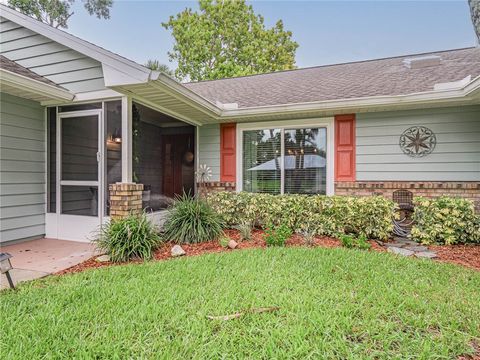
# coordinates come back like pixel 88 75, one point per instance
pixel 327 122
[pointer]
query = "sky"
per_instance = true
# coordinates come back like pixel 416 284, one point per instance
pixel 328 32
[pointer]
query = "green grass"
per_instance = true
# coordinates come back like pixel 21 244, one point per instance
pixel 334 304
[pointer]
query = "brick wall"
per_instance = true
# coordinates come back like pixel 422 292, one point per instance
pixel 125 199
pixel 215 186
pixel 469 190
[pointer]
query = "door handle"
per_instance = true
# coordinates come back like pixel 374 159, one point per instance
pixel 99 156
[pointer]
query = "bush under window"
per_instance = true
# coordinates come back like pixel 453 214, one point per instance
pixel 445 220
pixel 324 215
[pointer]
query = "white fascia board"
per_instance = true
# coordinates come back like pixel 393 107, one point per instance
pixel 135 70
pixel 34 86
pixel 98 95
pixel 114 77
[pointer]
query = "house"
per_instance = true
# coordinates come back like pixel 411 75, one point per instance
pixel 76 118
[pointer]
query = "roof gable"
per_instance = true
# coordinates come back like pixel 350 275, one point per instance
pixel 59 56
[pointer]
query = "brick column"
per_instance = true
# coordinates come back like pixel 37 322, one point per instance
pixel 125 199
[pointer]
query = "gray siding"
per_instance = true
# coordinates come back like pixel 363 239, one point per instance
pixel 209 148
pixel 54 61
pixel 456 156
pixel 22 168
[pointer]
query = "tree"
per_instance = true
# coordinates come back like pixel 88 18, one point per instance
pixel 57 12
pixel 475 14
pixel 225 39
pixel 158 66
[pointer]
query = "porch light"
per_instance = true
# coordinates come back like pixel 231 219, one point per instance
pixel 115 137
pixel 5 267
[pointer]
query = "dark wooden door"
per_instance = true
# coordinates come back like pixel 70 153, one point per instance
pixel 174 149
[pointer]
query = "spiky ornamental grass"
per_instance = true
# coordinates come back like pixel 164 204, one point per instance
pixel 132 237
pixel 191 220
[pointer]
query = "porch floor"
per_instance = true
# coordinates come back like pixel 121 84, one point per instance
pixel 38 258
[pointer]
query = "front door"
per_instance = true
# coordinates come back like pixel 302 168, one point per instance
pixel 79 175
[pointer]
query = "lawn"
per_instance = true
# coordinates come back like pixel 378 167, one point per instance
pixel 334 304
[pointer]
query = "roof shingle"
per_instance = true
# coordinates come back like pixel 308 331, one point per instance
pixel 342 81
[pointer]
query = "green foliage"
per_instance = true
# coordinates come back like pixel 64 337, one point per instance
pixel 226 39
pixel 191 220
pixel 245 230
pixel 475 15
pixel 57 12
pixel 158 66
pixel 277 235
pixel 352 242
pixel 128 238
pixel 324 215
pixel 224 240
pixel 445 220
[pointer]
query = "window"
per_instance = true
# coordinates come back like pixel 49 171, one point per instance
pixel 290 160
pixel 305 161
pixel 262 161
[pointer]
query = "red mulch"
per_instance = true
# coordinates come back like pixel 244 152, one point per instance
pixel 465 255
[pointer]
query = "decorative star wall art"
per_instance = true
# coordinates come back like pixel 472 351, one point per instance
pixel 418 141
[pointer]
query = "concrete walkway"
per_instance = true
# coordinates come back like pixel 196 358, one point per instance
pixel 38 258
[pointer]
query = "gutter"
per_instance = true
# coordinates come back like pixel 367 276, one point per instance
pixel 27 84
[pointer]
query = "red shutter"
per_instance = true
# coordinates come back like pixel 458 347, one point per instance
pixel 345 147
pixel 227 152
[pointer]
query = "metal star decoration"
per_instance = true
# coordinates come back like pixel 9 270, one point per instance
pixel 417 141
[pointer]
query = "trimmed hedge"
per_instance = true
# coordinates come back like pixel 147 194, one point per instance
pixel 445 220
pixel 326 215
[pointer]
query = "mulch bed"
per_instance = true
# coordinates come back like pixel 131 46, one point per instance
pixel 466 255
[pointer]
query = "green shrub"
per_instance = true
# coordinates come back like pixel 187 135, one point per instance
pixel 224 240
pixel 352 242
pixel 131 237
pixel 277 235
pixel 308 231
pixel 191 220
pixel 330 215
pixel 445 220
pixel 245 230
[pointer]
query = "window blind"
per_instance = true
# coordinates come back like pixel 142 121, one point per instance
pixel 262 161
pixel 305 161
pixel 301 170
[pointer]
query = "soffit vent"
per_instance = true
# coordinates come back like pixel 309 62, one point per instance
pixel 422 61
pixel 227 106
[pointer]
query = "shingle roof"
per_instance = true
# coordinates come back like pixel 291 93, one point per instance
pixel 12 66
pixel 342 81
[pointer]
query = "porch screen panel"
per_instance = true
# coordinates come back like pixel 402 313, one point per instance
pixel 305 161
pixel 79 138
pixel 262 161
pixel 113 147
pixel 52 160
pixel 80 200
